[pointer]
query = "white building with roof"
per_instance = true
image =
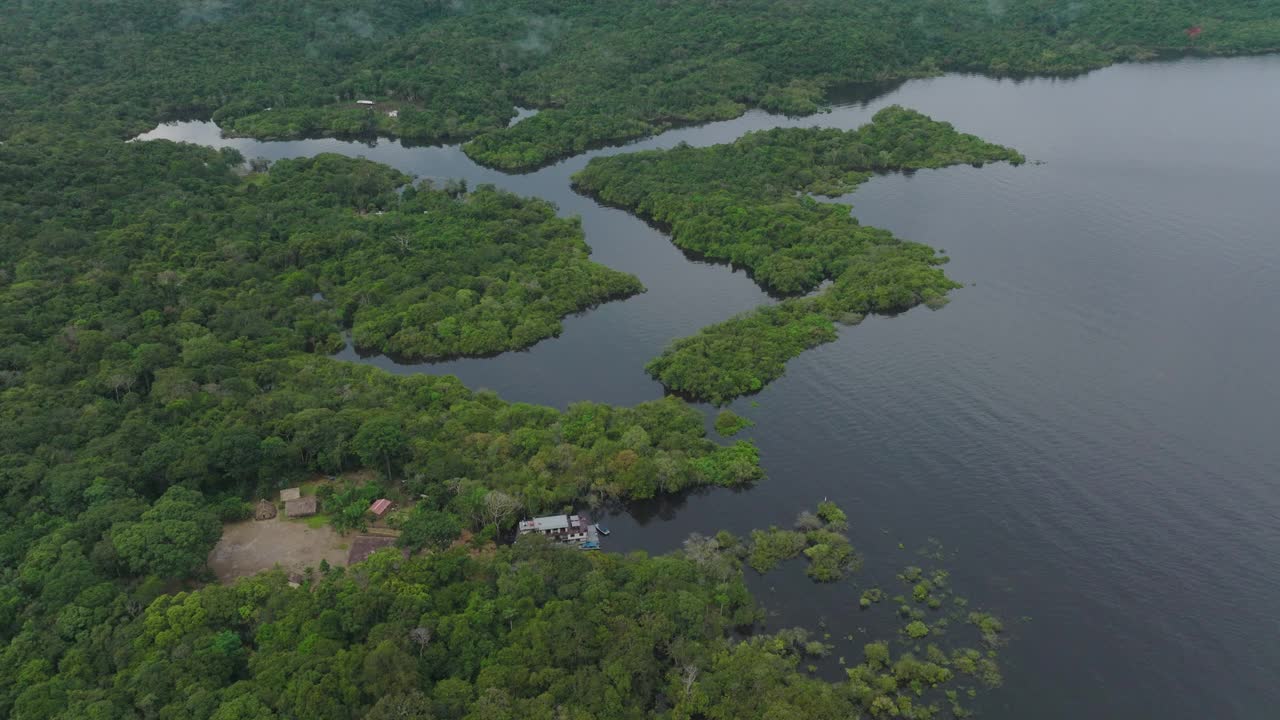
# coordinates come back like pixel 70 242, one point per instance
pixel 561 528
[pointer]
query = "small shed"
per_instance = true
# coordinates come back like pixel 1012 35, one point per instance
pixel 302 507
pixel 380 507
pixel 288 494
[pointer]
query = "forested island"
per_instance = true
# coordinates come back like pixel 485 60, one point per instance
pixel 750 203
pixel 601 72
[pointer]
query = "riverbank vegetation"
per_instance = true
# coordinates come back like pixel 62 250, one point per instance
pixel 750 203
pixel 516 633
pixel 600 72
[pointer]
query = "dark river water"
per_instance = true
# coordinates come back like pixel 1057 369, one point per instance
pixel 1090 429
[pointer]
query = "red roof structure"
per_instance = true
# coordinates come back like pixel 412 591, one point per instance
pixel 1194 31
pixel 380 507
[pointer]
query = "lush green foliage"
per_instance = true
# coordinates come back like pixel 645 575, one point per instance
pixel 294 416
pixel 818 537
pixel 832 515
pixel 347 506
pixel 749 203
pixel 730 423
pixel 916 629
pixel 426 527
pixel 740 355
pixel 481 274
pixel 421 274
pixel 169 539
pixel 601 71
pixel 164 316
pixel 532 631
pixel 168 301
pixel 773 546
pixel 156 314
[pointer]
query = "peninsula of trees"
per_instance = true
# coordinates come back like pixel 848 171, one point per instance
pixel 320 245
pixel 750 203
pixel 600 72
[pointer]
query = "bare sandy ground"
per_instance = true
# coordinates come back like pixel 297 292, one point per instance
pixel 249 547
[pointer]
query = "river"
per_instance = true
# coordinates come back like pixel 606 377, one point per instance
pixel 1089 429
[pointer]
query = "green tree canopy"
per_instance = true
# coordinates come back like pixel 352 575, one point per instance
pixel 172 538
pixel 379 440
pixel 750 203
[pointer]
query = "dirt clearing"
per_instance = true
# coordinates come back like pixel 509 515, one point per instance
pixel 249 547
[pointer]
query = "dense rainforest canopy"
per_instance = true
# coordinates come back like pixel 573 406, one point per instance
pixel 422 273
pixel 163 306
pixel 601 71
pixel 159 322
pixel 530 632
pixel 750 203
pixel 157 310
pixel 166 312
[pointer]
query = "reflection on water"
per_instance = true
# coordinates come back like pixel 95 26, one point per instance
pixel 861 94
pixel 1087 428
pixel 521 114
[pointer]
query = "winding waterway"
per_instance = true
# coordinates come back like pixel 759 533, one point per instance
pixel 1089 428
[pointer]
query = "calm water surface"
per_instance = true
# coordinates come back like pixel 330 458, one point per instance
pixel 1089 429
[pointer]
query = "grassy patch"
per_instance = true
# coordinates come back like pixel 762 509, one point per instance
pixel 317 521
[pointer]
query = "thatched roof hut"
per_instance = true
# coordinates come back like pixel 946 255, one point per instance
pixel 265 510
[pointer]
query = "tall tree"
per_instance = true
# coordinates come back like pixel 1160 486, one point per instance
pixel 379 440
pixel 172 538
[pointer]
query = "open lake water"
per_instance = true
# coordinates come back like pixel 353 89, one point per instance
pixel 1090 429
